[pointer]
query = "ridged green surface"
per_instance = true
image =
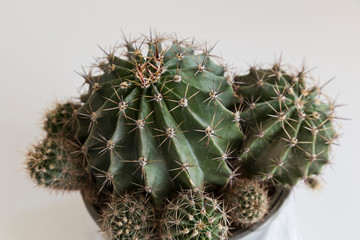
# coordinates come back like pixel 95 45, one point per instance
pixel 158 122
pixel 289 127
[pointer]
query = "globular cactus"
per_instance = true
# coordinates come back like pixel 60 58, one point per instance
pixel 194 215
pixel 158 122
pixel 51 165
pixel 60 121
pixel 162 118
pixel 129 217
pixel 247 201
pixel 289 127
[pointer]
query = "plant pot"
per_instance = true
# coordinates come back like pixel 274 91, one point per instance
pixel 278 217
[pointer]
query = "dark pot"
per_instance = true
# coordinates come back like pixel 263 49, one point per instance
pixel 255 232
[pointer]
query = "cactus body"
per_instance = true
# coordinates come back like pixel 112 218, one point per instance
pixel 290 129
pixel 158 122
pixel 128 217
pixel 248 202
pixel 193 215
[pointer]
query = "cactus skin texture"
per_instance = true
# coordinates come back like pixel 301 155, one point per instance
pixel 52 166
pixel 194 215
pixel 158 122
pixel 129 217
pixel 247 202
pixel 291 127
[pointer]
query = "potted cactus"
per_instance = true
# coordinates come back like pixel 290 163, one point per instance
pixel 167 144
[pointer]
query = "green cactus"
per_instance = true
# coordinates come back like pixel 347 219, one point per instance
pixel 289 127
pixel 51 165
pixel 247 202
pixel 194 215
pixel 158 122
pixel 129 217
pixel 161 118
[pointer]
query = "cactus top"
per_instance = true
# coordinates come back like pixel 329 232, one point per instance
pixel 159 121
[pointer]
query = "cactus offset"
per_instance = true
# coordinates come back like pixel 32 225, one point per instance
pixel 291 129
pixel 61 120
pixel 130 217
pixel 247 202
pixel 51 165
pixel 158 122
pixel 193 215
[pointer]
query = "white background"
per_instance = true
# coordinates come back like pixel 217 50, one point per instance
pixel 43 43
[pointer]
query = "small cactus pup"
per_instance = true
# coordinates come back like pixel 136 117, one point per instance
pixel 194 215
pixel 52 166
pixel 128 216
pixel 247 201
pixel 289 125
pixel 57 162
pixel 60 121
pixel 158 121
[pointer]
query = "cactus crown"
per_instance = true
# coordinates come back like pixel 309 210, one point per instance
pixel 160 121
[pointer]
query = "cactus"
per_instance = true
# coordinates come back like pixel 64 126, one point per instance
pixel 128 217
pixel 247 202
pixel 51 165
pixel 161 119
pixel 61 120
pixel 158 122
pixel 290 127
pixel 194 215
